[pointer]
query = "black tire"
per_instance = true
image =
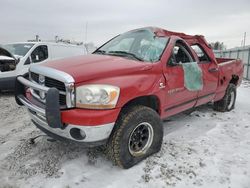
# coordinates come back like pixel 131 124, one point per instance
pixel 138 122
pixel 227 103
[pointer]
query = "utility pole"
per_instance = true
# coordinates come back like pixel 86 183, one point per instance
pixel 244 40
pixel 243 47
pixel 37 38
pixel 56 38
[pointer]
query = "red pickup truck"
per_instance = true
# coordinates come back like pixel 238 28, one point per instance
pixel 119 95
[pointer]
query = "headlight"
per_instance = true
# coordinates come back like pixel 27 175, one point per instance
pixel 97 96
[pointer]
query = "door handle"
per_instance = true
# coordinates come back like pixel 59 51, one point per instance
pixel 213 70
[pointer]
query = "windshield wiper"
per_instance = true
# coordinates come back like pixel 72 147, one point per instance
pixel 99 52
pixel 123 53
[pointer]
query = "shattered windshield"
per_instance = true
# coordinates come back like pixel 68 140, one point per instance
pixel 141 45
pixel 18 49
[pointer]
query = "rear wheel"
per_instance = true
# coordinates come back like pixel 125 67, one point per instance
pixel 137 135
pixel 227 103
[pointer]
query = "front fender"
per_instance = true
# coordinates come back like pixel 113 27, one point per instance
pixel 136 84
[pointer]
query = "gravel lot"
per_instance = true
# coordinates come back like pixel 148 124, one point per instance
pixel 202 149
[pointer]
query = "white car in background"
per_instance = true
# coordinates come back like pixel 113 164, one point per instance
pixel 16 58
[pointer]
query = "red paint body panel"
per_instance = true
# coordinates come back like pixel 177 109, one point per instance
pixel 227 68
pixel 94 66
pixel 137 79
pixel 84 117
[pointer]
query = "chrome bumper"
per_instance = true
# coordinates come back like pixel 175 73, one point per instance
pixel 93 133
pixel 78 133
pixel 30 106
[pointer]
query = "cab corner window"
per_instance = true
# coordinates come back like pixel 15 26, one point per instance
pixel 203 57
pixel 39 54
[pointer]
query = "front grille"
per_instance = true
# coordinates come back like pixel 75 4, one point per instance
pixel 50 82
pixel 34 77
pixel 62 99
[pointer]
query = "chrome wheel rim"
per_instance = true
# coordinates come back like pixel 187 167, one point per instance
pixel 231 100
pixel 141 139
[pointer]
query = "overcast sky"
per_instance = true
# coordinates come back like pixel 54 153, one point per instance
pixel 224 20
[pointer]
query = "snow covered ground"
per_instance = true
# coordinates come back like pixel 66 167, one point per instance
pixel 203 149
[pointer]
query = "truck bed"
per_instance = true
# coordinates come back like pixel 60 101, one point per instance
pixel 224 60
pixel 227 68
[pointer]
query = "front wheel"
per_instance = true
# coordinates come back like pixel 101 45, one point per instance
pixel 227 103
pixel 137 135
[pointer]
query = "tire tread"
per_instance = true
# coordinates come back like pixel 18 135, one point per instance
pixel 113 146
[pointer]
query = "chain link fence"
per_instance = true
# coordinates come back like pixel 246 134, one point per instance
pixel 238 53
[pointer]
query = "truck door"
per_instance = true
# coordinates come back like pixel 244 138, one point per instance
pixel 210 75
pixel 178 98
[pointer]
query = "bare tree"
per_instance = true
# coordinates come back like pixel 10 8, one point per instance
pixel 218 45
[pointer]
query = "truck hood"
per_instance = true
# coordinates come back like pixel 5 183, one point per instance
pixel 93 66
